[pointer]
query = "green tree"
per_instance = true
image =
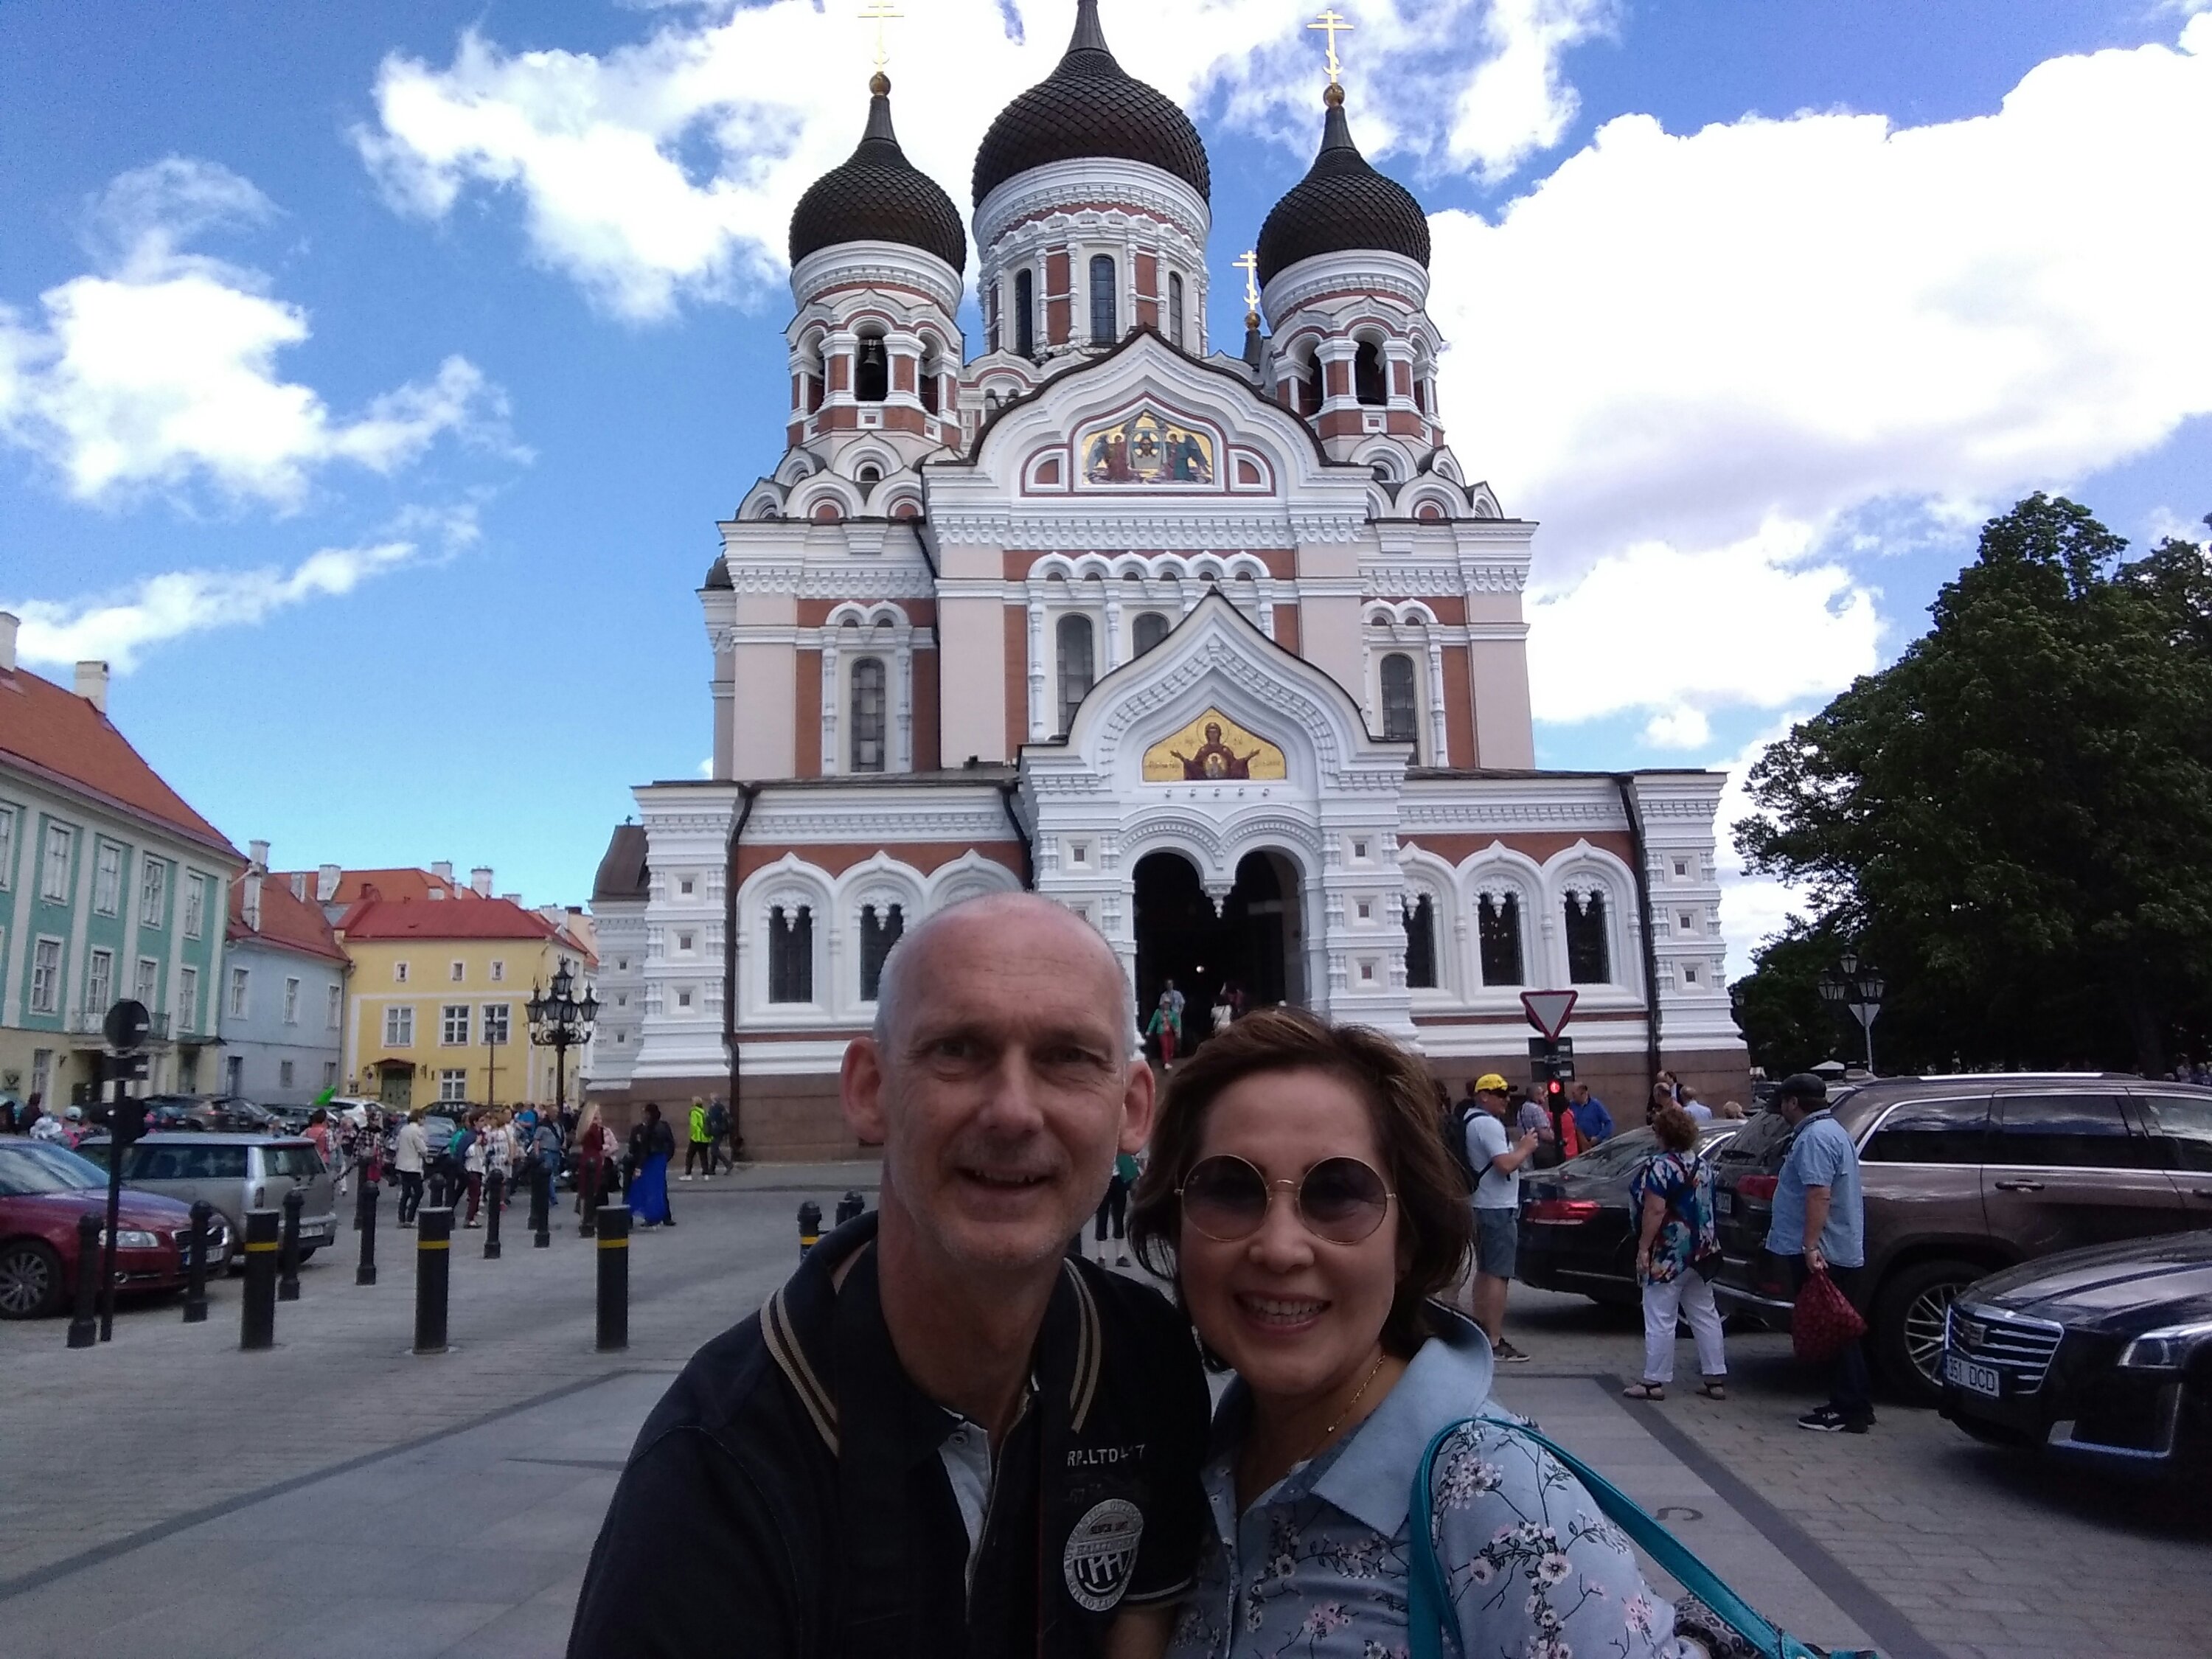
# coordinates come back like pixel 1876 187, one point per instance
pixel 2015 818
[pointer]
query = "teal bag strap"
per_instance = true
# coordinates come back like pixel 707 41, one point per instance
pixel 1429 1605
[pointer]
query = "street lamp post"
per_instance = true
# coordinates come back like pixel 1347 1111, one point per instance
pixel 560 1020
pixel 1858 989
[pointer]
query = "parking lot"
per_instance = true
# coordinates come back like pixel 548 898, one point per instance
pixel 166 1493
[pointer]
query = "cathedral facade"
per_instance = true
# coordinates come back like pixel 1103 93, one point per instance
pixel 1224 650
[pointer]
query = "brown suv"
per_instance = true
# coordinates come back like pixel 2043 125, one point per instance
pixel 1965 1175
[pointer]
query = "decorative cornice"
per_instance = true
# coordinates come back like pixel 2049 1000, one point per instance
pixel 869 263
pixel 1099 527
pixel 1039 192
pixel 1365 272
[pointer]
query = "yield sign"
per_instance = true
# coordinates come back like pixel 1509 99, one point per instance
pixel 1549 1011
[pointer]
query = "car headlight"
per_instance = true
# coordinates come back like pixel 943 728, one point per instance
pixel 129 1238
pixel 2166 1349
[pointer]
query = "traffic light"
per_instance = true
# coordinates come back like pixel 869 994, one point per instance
pixel 1552 1060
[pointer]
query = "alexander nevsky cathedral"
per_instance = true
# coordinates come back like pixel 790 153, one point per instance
pixel 1223 649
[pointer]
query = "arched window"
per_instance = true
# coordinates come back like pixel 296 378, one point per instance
pixel 1175 309
pixel 1498 927
pixel 1102 328
pixel 1421 945
pixel 868 714
pixel 791 954
pixel 880 929
pixel 1075 667
pixel 1026 312
pixel 871 375
pixel 1367 383
pixel 1310 386
pixel 996 291
pixel 820 377
pixel 1151 629
pixel 929 371
pixel 1401 719
pixel 1588 956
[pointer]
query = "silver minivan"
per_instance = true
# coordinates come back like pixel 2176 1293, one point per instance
pixel 236 1173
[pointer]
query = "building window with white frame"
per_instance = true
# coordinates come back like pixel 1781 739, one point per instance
pixel 7 847
pixel 54 878
pixel 399 1026
pixel 399 973
pixel 1025 313
pixel 153 891
pixel 98 982
pixel 868 714
pixel 241 988
pixel 791 954
pixel 147 988
pixel 1498 930
pixel 188 998
pixel 499 971
pixel 1589 952
pixel 1074 638
pixel 333 1006
pixel 1150 632
pixel 291 1001
pixel 1421 945
pixel 498 1021
pixel 1401 714
pixel 453 1025
pixel 330 1074
pixel 107 879
pixel 452 1086
pixel 1175 312
pixel 456 972
pixel 195 906
pixel 881 927
pixel 1104 329
pixel 283 1073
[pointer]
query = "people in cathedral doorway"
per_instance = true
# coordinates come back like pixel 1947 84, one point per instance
pixel 1165 1027
pixel 1224 1010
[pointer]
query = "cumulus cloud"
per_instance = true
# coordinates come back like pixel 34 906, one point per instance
pixel 1699 358
pixel 159 368
pixel 1753 908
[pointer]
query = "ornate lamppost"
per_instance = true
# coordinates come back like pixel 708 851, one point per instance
pixel 559 1020
pixel 1860 989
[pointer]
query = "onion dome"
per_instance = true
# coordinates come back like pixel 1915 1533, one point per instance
pixel 718 575
pixel 1342 205
pixel 1090 106
pixel 878 196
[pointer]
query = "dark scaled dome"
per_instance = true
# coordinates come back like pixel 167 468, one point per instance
pixel 1341 205
pixel 878 196
pixel 1090 106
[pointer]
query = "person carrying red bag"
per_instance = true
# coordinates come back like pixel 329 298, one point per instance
pixel 1819 1231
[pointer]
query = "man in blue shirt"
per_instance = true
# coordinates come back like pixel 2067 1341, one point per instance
pixel 1592 1121
pixel 1819 1226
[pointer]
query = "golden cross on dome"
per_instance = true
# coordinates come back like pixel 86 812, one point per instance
pixel 1330 24
pixel 880 12
pixel 1250 264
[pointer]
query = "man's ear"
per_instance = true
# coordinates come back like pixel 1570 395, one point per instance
pixel 1139 1106
pixel 861 1090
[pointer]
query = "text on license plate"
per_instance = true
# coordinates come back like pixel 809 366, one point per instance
pixel 1724 1203
pixel 1975 1379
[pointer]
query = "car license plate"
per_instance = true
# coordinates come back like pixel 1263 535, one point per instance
pixel 1975 1379
pixel 1724 1203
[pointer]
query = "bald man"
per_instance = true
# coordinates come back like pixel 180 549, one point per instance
pixel 943 1436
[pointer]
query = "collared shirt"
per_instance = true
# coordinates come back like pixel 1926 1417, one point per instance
pixel 1317 1566
pixel 809 1502
pixel 1821 1156
pixel 414 1147
pixel 1593 1120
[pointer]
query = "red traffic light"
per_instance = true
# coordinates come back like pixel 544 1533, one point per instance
pixel 1555 1087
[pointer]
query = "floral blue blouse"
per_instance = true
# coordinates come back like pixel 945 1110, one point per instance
pixel 1318 1567
pixel 1683 1182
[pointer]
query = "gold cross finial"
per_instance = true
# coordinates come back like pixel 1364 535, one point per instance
pixel 880 12
pixel 1330 24
pixel 1250 264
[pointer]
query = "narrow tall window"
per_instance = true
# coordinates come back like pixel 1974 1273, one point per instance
pixel 1367 382
pixel 1151 629
pixel 1400 720
pixel 871 374
pixel 53 883
pixel 1588 961
pixel 929 387
pixel 868 714
pixel 107 879
pixel 7 847
pixel 195 906
pixel 1421 945
pixel 1175 310
pixel 996 291
pixel 880 928
pixel 791 954
pixel 818 381
pixel 188 998
pixel 1102 328
pixel 333 1006
pixel 1026 312
pixel 1311 387
pixel 1075 667
pixel 1498 924
pixel 241 989
pixel 153 892
pixel 98 983
pixel 291 1002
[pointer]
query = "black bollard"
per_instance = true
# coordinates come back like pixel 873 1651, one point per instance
pixel 851 1207
pixel 495 1196
pixel 809 1226
pixel 587 1196
pixel 434 1240
pixel 435 1194
pixel 288 1256
pixel 195 1249
pixel 614 1277
pixel 84 1329
pixel 541 1205
pixel 365 1219
pixel 257 1318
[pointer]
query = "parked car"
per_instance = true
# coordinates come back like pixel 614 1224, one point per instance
pixel 235 1173
pixel 1578 1231
pixel 2102 1356
pixel 1966 1175
pixel 44 1188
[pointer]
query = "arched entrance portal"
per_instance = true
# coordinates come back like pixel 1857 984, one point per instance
pixel 1257 941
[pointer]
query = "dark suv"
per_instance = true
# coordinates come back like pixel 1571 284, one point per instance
pixel 1965 1175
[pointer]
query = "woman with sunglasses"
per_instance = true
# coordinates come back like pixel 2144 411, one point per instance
pixel 1300 1198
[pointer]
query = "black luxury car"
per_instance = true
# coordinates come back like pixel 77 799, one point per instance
pixel 1576 1233
pixel 2103 1355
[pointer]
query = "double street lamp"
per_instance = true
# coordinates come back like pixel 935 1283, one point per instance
pixel 561 1021
pixel 1860 989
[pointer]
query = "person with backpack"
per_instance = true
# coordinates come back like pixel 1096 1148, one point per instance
pixel 718 1135
pixel 1671 1193
pixel 1493 1165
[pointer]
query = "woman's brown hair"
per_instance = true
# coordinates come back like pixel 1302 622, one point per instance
pixel 1434 1227
pixel 1676 1129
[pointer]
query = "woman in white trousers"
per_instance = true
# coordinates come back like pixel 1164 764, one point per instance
pixel 1672 1195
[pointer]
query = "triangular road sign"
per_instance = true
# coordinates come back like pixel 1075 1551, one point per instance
pixel 1549 1011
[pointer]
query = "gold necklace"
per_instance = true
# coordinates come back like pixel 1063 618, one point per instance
pixel 1329 1433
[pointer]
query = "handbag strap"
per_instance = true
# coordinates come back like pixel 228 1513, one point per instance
pixel 1429 1598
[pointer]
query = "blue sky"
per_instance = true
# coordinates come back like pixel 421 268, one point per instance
pixel 372 376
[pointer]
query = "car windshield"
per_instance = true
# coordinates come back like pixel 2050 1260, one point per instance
pixel 30 1172
pixel 294 1162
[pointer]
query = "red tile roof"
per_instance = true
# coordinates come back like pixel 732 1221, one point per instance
pixel 294 924
pixel 395 883
pixel 60 737
pixel 383 918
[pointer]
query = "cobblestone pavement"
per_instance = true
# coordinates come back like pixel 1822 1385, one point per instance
pixel 166 1493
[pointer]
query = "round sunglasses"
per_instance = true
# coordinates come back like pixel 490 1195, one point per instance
pixel 1340 1200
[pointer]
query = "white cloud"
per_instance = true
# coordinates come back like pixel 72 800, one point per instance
pixel 161 367
pixel 1696 357
pixel 1754 908
pixel 1518 102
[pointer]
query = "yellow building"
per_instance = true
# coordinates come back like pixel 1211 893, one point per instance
pixel 437 1011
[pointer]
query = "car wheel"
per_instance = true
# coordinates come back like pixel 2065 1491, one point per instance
pixel 1908 1324
pixel 30 1279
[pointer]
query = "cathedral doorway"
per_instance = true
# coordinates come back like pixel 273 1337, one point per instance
pixel 1255 942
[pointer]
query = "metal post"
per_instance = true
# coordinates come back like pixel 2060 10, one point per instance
pixel 496 1195
pixel 541 1205
pixel 196 1264
pixel 117 1151
pixel 587 1195
pixel 809 1226
pixel 287 1257
pixel 84 1329
pixel 614 1277
pixel 434 1195
pixel 433 1239
pixel 366 1220
pixel 257 1319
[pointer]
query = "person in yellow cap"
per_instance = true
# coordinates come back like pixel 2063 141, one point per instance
pixel 1496 1162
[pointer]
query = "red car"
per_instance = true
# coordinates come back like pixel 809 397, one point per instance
pixel 44 1188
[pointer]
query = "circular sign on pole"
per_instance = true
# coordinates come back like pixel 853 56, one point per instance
pixel 127 1025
